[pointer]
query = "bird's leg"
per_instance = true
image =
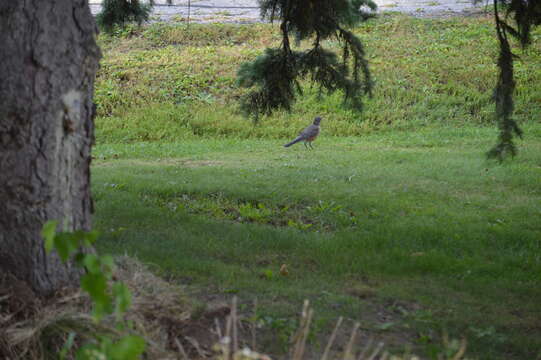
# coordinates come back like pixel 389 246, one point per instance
pixel 305 144
pixel 311 147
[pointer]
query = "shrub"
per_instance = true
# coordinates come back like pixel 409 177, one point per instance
pixel 119 12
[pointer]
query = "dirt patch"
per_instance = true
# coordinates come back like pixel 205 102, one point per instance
pixel 381 324
pixel 30 328
pixel 195 335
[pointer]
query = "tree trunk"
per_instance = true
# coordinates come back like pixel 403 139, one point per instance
pixel 48 62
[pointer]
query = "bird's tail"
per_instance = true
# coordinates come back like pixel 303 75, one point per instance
pixel 293 142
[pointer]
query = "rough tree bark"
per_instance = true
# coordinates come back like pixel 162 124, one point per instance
pixel 48 62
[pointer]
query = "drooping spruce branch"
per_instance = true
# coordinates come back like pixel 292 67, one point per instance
pixel 525 14
pixel 274 76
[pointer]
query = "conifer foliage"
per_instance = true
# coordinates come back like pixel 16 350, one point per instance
pixel 119 12
pixel 274 76
pixel 512 18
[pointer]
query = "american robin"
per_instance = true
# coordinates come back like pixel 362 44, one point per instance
pixel 307 135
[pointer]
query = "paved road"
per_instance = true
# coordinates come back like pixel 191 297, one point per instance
pixel 247 11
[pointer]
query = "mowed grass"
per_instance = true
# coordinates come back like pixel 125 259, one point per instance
pixel 453 239
pixel 396 219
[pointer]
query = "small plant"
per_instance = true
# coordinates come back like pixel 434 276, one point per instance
pixel 333 214
pixel 113 300
pixel 488 333
pixel 259 213
pixel 298 225
pixel 268 274
pixel 282 327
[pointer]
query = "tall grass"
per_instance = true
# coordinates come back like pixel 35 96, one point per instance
pixel 169 82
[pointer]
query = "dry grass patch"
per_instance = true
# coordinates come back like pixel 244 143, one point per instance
pixel 32 329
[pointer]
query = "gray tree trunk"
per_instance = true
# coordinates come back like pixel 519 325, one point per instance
pixel 48 62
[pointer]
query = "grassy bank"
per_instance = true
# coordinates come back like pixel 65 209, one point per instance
pixel 169 82
pixel 395 219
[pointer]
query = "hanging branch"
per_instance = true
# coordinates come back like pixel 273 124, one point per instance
pixel 526 13
pixel 274 76
pixel 503 95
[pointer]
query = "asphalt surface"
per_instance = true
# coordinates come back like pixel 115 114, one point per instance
pixel 247 11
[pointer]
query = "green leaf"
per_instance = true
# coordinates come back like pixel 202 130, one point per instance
pixel 78 236
pixel 385 326
pixel 89 352
pixel 65 244
pixel 122 297
pixel 96 286
pixel 79 259
pixel 92 263
pixel 90 238
pixel 48 232
pixel 108 263
pixel 127 348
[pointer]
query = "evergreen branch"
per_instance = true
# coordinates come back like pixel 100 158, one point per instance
pixel 274 75
pixel 360 63
pixel 503 95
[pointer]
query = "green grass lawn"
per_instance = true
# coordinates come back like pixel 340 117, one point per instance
pixel 396 219
pixel 418 219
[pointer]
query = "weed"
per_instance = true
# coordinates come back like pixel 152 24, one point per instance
pixel 106 300
pixel 326 216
